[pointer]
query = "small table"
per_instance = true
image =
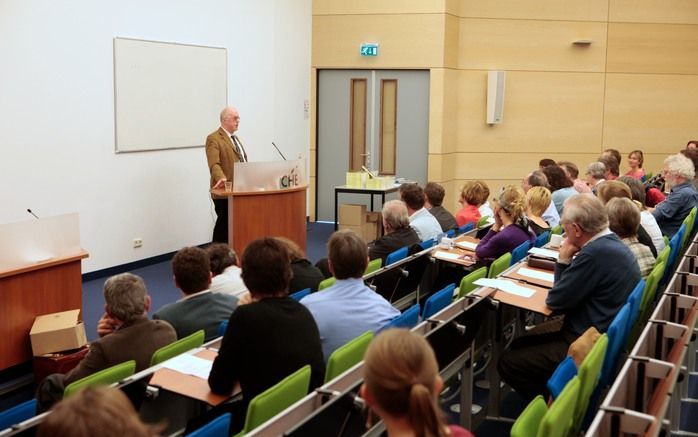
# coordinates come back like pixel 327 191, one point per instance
pixel 351 190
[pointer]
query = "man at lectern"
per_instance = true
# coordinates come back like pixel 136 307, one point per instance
pixel 223 150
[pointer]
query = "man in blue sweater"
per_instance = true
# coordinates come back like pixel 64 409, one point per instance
pixel 594 275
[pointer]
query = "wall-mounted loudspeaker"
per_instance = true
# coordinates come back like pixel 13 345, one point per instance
pixel 495 96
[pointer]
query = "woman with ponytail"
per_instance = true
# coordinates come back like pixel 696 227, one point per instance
pixel 510 228
pixel 402 385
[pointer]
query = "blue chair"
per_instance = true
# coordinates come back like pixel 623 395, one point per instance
pixel 427 244
pixel 635 299
pixel 19 413
pixel 519 253
pixel 222 328
pixel 451 233
pixel 675 245
pixel 466 227
pixel 542 239
pixel 438 301
pixel 298 295
pixel 408 319
pixel 218 427
pixel 564 372
pixel 618 333
pixel 396 256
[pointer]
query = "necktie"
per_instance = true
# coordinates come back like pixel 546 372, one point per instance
pixel 234 139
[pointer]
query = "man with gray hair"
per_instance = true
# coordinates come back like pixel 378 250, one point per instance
pixel 678 174
pixel 594 275
pixel 125 334
pixel 596 175
pixel 397 230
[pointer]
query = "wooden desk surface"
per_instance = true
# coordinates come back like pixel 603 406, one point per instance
pixel 532 281
pixel 535 303
pixel 191 386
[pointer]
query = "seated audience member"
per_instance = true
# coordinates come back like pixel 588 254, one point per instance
pixel 125 334
pixel 510 228
pixel 572 172
pixel 647 220
pixel 102 411
pixel 538 179
pixel 692 154
pixel 537 201
pixel 678 173
pixel 612 167
pixel 472 195
pixel 693 144
pixel 269 338
pixel 560 186
pixel 198 308
pixel 594 275
pixel 348 308
pixel 595 175
pixel 402 386
pixel 624 220
pixel 397 231
pixel 635 161
pixel 433 199
pixel 545 162
pixel 613 153
pixel 225 271
pixel 305 275
pixel 424 224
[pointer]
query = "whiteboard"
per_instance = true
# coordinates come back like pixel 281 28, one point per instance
pixel 166 95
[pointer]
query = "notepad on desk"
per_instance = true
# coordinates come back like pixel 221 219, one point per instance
pixel 446 255
pixel 535 274
pixel 190 365
pixel 545 253
pixel 467 245
pixel 506 286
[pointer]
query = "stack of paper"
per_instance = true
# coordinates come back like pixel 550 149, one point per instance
pixel 506 286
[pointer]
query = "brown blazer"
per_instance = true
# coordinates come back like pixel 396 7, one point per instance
pixel 221 157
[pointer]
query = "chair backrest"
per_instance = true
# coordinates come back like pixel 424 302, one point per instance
pixel 688 221
pixel 451 233
pixel 466 227
pixel 557 230
pixel 438 301
pixel 635 299
pixel 650 290
pixel 408 319
pixel 483 221
pixel 19 413
pixel 519 252
pixel 108 376
pixel 562 375
pixel 675 244
pixel 558 421
pixel 529 420
pixel 178 347
pixel 542 239
pixel 218 427
pixel 327 282
pixel 396 256
pixel 499 265
pixel 298 295
pixel 373 265
pixel 222 328
pixel 466 284
pixel 275 399
pixel 589 372
pixel 618 332
pixel 427 244
pixel 348 355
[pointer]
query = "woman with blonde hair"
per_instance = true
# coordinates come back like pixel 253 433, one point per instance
pixel 635 161
pixel 537 201
pixel 402 385
pixel 510 228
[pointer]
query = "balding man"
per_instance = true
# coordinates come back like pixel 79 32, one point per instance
pixel 223 150
pixel 398 233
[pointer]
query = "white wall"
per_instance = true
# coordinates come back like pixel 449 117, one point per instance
pixel 57 114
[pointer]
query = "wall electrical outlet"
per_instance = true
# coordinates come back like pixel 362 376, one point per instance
pixel 137 242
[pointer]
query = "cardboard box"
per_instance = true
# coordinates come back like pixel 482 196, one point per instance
pixel 353 215
pixel 373 217
pixel 370 231
pixel 57 332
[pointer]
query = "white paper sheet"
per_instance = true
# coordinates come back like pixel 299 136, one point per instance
pixel 468 245
pixel 446 255
pixel 506 286
pixel 190 365
pixel 544 252
pixel 544 276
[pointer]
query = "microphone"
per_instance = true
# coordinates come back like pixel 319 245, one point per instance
pixel 277 149
pixel 30 212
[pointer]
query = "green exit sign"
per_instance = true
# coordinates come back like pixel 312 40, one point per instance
pixel 369 49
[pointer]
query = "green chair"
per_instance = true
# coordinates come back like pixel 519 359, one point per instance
pixel 326 283
pixel 178 347
pixel 528 422
pixel 466 284
pixel 345 357
pixel 650 290
pixel 663 255
pixel 557 422
pixel 483 221
pixel 688 221
pixel 499 265
pixel 275 399
pixel 108 376
pixel 373 265
pixel 557 230
pixel 589 373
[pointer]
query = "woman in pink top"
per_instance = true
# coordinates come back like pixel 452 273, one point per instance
pixel 473 194
pixel 402 386
pixel 635 161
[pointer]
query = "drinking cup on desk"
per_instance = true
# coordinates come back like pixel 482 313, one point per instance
pixel 228 186
pixel 446 243
pixel 555 240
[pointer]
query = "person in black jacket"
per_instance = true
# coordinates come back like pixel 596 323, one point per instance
pixel 305 275
pixel 398 233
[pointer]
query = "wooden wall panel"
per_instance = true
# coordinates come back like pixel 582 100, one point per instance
pixel 406 41
pixel 652 48
pixel 656 113
pixel 579 10
pixel 451 41
pixel 443 110
pixel 531 45
pixel 543 112
pixel 512 166
pixel 343 7
pixel 654 11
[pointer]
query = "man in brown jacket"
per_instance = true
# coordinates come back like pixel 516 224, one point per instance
pixel 223 150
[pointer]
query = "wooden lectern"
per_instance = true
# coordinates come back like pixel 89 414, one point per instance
pixel 268 200
pixel 40 273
